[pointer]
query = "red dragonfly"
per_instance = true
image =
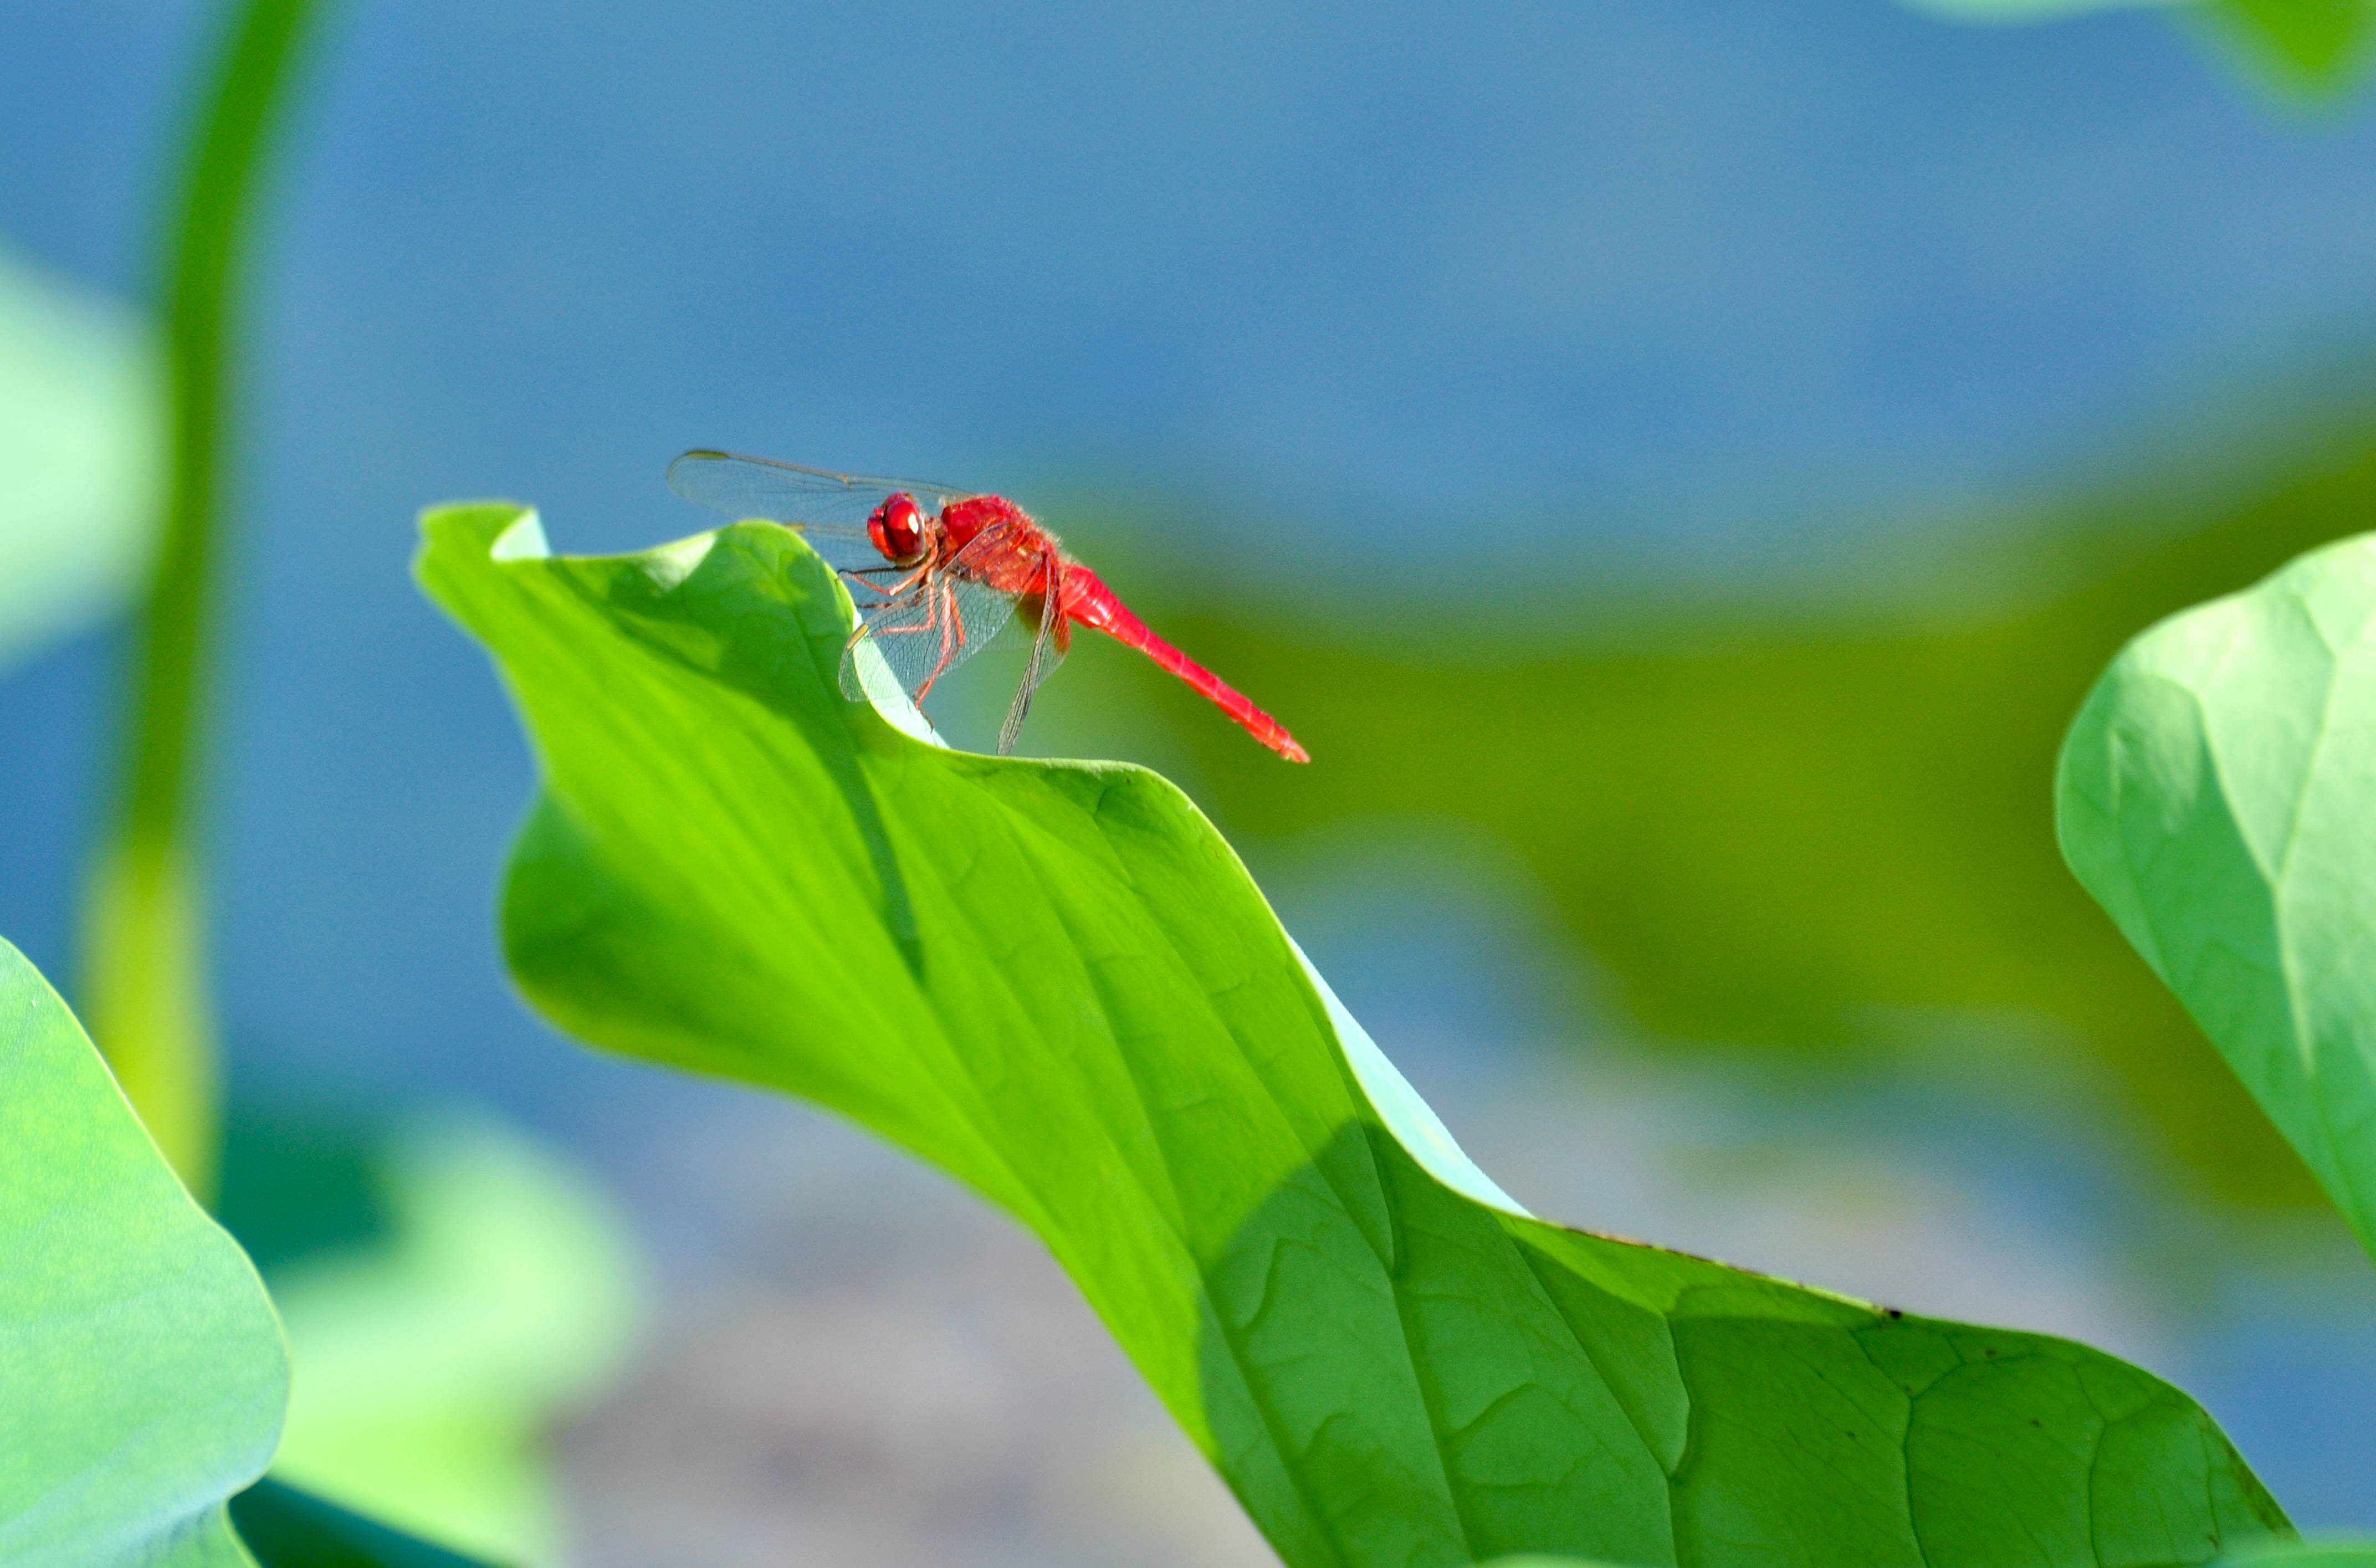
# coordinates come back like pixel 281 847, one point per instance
pixel 938 574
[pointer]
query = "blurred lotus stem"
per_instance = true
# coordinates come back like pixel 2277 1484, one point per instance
pixel 147 997
pixel 144 983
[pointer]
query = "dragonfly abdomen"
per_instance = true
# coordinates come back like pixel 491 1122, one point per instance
pixel 1090 603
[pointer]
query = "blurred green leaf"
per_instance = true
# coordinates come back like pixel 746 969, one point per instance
pixel 301 1177
pixel 429 1364
pixel 1056 981
pixel 141 1371
pixel 2215 795
pixel 2314 44
pixel 2318 44
pixel 82 445
pixel 287 1528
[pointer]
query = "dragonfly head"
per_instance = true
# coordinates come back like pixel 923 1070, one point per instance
pixel 897 528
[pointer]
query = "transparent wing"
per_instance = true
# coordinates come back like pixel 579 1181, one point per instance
pixel 1045 656
pixel 828 509
pixel 928 630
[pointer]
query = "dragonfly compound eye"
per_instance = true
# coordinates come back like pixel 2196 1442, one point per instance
pixel 897 530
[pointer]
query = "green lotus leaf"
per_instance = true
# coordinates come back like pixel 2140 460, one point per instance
pixel 142 1376
pixel 1057 982
pixel 2214 795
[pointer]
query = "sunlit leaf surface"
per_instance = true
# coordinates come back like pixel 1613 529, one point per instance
pixel 1056 981
pixel 141 1371
pixel 2216 795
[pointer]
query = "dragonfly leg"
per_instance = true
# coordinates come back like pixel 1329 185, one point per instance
pixel 953 635
pixel 890 594
pixel 864 577
pixel 866 630
pixel 952 625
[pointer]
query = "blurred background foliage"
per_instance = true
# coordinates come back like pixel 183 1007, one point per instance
pixel 1810 828
pixel 2310 49
pixel 501 1296
pixel 81 452
pixel 1690 457
pixel 2317 44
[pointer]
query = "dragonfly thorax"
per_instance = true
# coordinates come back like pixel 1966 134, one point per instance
pixel 899 530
